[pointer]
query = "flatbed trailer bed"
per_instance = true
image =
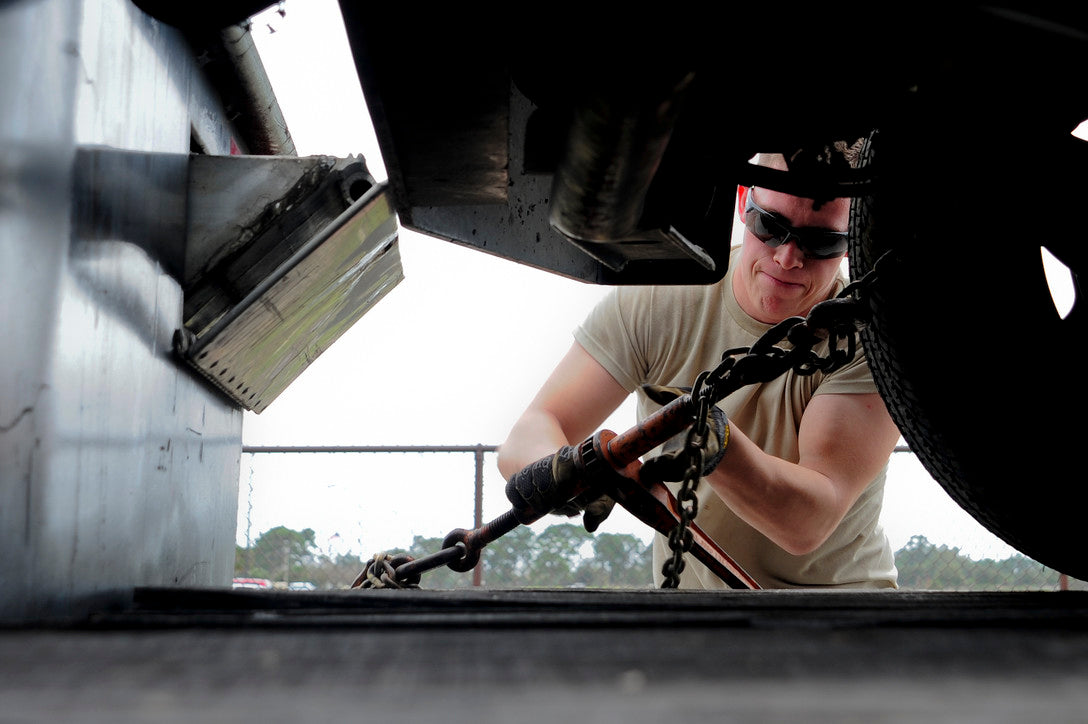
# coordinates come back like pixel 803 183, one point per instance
pixel 557 655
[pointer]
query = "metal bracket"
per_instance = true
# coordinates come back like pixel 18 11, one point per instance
pixel 283 255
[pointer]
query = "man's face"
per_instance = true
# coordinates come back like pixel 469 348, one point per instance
pixel 772 284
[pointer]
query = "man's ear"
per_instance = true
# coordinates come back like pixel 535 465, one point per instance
pixel 742 200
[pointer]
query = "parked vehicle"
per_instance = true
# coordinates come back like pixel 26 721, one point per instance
pixel 261 583
pixel 301 586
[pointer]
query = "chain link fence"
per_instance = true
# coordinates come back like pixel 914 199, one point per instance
pixel 312 517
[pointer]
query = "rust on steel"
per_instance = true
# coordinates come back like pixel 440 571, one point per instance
pixel 474 540
pixel 672 419
pixel 653 504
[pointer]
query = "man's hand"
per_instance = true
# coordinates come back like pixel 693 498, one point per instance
pixel 594 506
pixel 548 486
pixel 672 463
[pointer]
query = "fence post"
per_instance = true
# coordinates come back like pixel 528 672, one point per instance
pixel 478 517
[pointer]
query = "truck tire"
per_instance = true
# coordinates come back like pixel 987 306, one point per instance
pixel 976 365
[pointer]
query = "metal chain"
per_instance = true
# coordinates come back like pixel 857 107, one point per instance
pixel 837 320
pixel 680 538
pixel 381 572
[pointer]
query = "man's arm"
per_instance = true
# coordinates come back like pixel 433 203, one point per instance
pixel 844 440
pixel 574 401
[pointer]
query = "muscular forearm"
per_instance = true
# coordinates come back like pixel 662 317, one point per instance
pixel 844 440
pixel 794 506
pixel 577 397
pixel 533 436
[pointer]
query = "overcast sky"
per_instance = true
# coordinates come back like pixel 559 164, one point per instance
pixel 450 357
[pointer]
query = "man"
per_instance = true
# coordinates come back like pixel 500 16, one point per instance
pixel 796 496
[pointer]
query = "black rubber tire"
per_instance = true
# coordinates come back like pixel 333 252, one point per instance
pixel 975 364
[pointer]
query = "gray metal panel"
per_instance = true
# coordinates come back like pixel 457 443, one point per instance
pixel 258 348
pixel 118 468
pixel 36 152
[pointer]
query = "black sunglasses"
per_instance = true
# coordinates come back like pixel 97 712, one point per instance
pixel 774 232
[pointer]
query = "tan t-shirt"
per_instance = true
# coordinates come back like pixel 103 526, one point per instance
pixel 668 335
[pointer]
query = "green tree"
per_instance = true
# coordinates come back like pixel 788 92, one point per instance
pixel 282 554
pixel 243 561
pixel 923 565
pixel 555 555
pixel 506 560
pixel 620 560
pixel 335 572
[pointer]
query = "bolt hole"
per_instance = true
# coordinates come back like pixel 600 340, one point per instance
pixel 358 188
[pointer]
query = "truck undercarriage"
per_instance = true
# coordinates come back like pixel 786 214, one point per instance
pixel 608 150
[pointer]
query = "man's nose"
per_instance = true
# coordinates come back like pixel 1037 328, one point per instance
pixel 788 255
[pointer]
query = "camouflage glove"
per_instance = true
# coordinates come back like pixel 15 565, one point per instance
pixel 546 486
pixel 672 463
pixel 595 508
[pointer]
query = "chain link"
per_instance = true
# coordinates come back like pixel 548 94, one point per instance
pixel 836 320
pixel 381 572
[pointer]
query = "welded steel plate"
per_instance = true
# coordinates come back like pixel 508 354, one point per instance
pixel 265 342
